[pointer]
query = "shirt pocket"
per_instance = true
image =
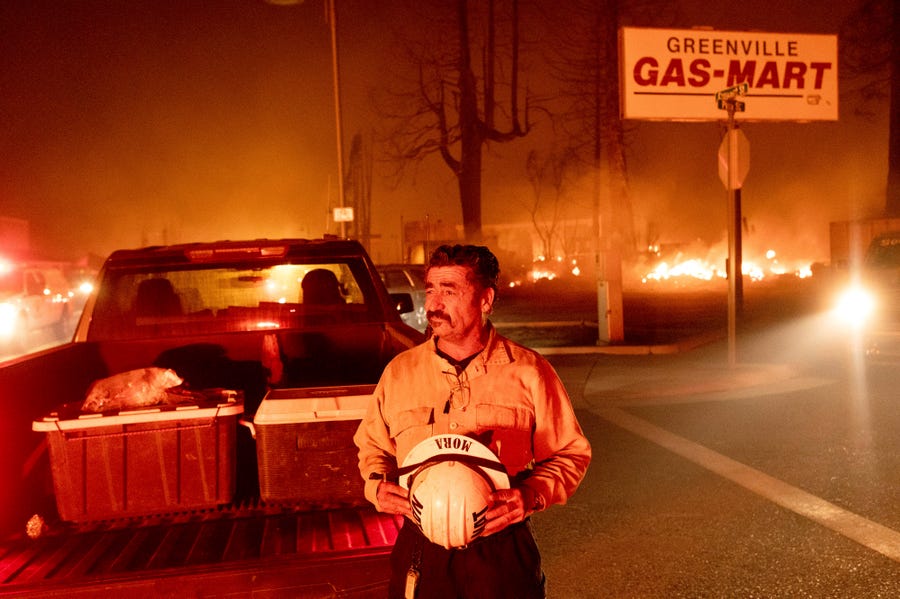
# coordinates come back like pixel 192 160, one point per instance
pixel 510 418
pixel 416 422
pixel 506 430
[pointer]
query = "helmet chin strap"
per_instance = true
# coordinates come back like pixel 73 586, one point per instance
pixel 469 460
pixel 457 448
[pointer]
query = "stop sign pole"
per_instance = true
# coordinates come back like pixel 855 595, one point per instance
pixel 734 162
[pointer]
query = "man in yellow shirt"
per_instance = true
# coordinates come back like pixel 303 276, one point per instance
pixel 469 380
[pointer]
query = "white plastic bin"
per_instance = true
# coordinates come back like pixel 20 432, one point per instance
pixel 304 445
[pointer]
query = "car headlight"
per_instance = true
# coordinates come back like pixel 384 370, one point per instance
pixel 855 306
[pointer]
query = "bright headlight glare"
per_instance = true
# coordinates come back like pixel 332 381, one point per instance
pixel 855 306
pixel 8 316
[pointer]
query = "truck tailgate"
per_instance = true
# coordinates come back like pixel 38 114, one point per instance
pixel 305 554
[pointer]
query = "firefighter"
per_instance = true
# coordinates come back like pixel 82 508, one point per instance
pixel 468 380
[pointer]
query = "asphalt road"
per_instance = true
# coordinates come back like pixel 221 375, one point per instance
pixel 655 314
pixel 774 477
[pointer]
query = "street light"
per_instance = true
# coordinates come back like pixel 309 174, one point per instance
pixel 331 16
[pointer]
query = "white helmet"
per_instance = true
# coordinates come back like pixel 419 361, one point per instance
pixel 450 479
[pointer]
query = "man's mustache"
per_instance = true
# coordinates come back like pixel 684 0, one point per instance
pixel 438 314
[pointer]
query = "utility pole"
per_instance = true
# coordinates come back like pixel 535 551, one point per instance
pixel 332 21
pixel 331 17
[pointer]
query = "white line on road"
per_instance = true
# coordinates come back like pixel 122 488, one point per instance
pixel 870 534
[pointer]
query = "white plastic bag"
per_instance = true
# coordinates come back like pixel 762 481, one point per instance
pixel 132 389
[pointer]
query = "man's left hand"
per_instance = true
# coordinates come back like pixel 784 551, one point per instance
pixel 507 507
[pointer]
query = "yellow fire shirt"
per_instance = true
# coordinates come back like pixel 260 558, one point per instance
pixel 508 397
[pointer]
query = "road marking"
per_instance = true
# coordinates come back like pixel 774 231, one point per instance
pixel 687 392
pixel 870 534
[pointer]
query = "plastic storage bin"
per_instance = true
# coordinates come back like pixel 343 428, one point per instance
pixel 304 446
pixel 155 460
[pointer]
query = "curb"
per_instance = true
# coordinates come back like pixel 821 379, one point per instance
pixel 634 350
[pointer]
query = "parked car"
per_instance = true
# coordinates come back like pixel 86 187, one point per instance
pixel 34 300
pixel 871 301
pixel 407 278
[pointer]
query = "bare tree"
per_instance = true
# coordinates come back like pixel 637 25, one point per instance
pixel 585 62
pixel 552 170
pixel 452 107
pixel 870 51
pixel 358 188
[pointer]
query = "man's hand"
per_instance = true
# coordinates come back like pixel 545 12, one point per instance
pixel 507 507
pixel 393 499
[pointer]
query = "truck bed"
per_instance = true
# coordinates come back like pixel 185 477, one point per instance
pixel 230 551
pixel 242 548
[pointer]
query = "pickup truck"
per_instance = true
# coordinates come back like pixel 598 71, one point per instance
pixel 257 319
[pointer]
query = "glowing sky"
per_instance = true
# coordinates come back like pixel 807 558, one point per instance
pixel 124 123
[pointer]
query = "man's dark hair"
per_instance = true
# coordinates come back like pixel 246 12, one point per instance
pixel 479 258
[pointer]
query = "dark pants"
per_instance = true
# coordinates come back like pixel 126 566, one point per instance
pixel 506 564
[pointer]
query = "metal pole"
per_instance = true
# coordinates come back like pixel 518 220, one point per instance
pixel 332 20
pixel 331 16
pixel 600 271
pixel 733 272
pixel 738 257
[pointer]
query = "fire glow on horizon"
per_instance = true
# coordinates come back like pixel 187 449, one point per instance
pixel 706 269
pixel 681 268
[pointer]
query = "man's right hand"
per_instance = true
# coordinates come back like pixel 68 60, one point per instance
pixel 393 499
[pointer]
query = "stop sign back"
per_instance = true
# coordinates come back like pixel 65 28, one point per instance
pixel 738 142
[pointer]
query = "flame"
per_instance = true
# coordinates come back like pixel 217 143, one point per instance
pixel 694 267
pixel 684 266
pixel 551 269
pixel 706 269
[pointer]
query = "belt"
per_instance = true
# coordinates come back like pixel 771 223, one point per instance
pixel 509 530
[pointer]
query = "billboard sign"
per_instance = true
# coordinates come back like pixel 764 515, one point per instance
pixel 674 74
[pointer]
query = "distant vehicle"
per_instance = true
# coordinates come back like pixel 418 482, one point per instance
pixel 34 299
pixel 407 278
pixel 871 302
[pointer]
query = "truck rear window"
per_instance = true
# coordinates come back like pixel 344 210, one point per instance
pixel 215 299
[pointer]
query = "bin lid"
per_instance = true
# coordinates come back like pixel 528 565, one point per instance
pixel 70 417
pixel 314 404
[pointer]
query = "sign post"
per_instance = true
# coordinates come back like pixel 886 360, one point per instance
pixel 343 215
pixel 736 167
